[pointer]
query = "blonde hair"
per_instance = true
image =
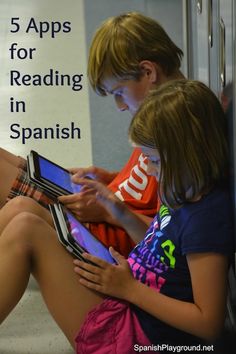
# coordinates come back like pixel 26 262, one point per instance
pixel 185 122
pixel 122 42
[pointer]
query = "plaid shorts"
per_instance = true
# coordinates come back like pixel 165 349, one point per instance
pixel 23 186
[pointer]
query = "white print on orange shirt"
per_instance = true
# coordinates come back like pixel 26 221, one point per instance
pixel 137 181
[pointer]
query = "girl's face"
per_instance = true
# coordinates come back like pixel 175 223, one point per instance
pixel 154 161
pixel 128 94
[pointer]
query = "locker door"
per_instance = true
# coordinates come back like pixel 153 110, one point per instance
pixel 225 53
pixel 227 62
pixel 198 48
pixel 203 44
pixel 211 30
pixel 212 58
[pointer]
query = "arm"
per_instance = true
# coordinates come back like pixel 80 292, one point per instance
pixel 119 214
pixel 203 318
pixel 98 203
pixel 87 209
pixel 136 217
pixel 118 211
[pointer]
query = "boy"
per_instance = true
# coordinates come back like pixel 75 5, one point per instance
pixel 130 55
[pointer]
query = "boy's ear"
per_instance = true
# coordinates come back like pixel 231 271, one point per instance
pixel 150 69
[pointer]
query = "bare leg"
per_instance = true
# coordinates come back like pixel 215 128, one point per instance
pixel 9 164
pixel 29 244
pixel 8 174
pixel 20 204
pixel 10 158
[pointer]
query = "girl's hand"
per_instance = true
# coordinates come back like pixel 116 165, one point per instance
pixel 109 279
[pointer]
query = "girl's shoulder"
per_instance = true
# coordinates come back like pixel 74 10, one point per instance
pixel 217 200
pixel 207 225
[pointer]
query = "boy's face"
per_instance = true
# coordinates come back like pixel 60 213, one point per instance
pixel 128 94
pixel 154 161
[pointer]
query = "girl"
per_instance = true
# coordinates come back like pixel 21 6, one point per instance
pixel 172 288
pixel 130 54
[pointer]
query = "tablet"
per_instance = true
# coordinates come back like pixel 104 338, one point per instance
pixel 50 176
pixel 76 237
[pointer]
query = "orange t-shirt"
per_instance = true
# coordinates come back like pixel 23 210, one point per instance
pixel 139 191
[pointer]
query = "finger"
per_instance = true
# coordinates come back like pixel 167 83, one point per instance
pixel 73 170
pixel 83 181
pixel 87 275
pixel 87 266
pixel 85 191
pixel 80 172
pixel 96 260
pixel 65 199
pixel 117 256
pixel 86 172
pixel 91 285
pixel 73 206
pixel 102 192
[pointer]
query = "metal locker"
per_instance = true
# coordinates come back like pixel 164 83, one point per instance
pixel 211 52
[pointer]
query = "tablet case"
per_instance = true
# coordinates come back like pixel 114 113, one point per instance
pixel 34 177
pixel 66 238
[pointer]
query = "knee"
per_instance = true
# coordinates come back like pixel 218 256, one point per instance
pixel 19 204
pixel 26 220
pixel 21 228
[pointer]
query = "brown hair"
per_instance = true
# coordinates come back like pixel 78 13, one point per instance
pixel 185 122
pixel 122 42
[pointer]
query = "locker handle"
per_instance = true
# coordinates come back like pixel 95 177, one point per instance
pixel 199 6
pixel 210 19
pixel 222 52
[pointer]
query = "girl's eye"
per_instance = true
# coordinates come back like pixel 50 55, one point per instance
pixel 155 162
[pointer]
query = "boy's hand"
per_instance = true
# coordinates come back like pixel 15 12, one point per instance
pixel 109 279
pixel 94 172
pixel 85 207
pixel 115 209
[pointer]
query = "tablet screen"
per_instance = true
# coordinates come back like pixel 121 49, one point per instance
pixel 86 240
pixel 57 175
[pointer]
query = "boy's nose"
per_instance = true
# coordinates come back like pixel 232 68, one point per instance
pixel 121 105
